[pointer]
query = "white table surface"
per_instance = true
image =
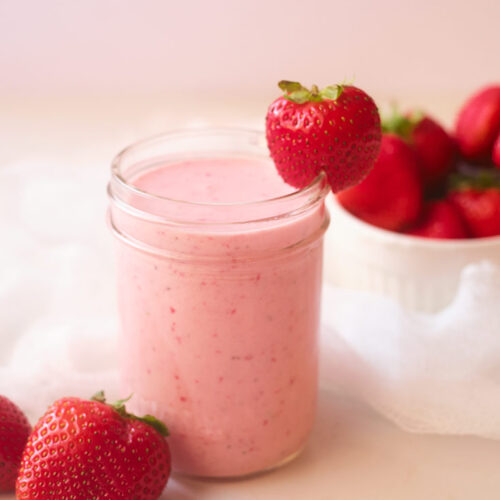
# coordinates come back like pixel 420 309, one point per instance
pixel 355 455
pixel 352 454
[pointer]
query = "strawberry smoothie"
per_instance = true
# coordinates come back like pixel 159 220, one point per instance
pixel 219 280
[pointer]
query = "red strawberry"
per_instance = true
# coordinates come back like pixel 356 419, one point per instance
pixel 478 201
pixel 87 449
pixel 496 152
pixel 391 195
pixel 478 124
pixel 440 219
pixel 434 147
pixel 336 130
pixel 14 432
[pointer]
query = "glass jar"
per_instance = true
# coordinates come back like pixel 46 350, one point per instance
pixel 219 308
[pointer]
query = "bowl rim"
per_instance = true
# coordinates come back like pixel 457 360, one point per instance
pixel 407 239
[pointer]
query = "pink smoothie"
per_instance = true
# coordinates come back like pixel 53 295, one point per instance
pixel 220 320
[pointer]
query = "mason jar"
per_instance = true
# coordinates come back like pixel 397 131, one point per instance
pixel 219 306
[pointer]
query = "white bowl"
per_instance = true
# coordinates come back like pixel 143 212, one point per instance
pixel 421 274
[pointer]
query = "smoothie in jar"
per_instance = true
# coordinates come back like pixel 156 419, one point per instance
pixel 219 280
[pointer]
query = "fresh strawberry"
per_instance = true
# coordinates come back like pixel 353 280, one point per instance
pixel 434 147
pixel 87 449
pixel 496 152
pixel 336 130
pixel 391 195
pixel 440 219
pixel 14 432
pixel 478 201
pixel 478 124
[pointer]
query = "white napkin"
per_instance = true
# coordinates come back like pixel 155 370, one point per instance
pixel 427 373
pixel 436 373
pixel 57 297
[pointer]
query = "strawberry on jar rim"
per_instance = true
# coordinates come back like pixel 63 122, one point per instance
pixel 335 130
pixel 14 432
pixel 88 449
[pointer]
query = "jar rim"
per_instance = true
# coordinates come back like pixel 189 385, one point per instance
pixel 318 183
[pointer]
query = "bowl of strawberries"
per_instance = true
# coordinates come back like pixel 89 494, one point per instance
pixel 429 207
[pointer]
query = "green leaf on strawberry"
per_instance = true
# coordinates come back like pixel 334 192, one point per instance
pixel 289 87
pixel 332 92
pixel 119 406
pixel 481 178
pixel 401 124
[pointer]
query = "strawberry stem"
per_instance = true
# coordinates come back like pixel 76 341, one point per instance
pixel 119 407
pixel 297 93
pixel 99 397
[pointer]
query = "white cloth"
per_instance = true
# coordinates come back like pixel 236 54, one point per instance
pixel 438 374
pixel 428 373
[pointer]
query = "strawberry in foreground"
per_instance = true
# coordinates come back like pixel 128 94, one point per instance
pixel 336 129
pixel 434 147
pixel 88 449
pixel 478 124
pixel 440 219
pixel 14 432
pixel 391 195
pixel 477 199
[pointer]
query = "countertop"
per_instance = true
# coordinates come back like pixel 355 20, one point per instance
pixel 355 455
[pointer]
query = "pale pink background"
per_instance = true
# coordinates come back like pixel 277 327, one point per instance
pixel 391 47
pixel 80 79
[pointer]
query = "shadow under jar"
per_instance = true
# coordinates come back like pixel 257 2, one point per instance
pixel 219 302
